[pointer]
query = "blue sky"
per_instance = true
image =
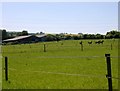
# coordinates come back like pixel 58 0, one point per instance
pixel 69 17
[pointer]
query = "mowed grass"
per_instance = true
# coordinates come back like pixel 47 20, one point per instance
pixel 62 66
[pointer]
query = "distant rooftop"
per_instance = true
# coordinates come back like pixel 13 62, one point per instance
pixel 39 36
pixel 22 37
pixel 17 38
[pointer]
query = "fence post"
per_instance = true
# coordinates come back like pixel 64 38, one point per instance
pixel 109 76
pixel 44 48
pixel 81 47
pixel 6 68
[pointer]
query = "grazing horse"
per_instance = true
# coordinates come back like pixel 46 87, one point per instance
pixel 89 42
pixel 99 42
pixel 102 41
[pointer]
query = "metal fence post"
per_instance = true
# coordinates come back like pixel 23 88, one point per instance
pixel 6 68
pixel 109 76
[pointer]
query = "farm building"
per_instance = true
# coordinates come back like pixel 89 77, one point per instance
pixel 41 37
pixel 25 39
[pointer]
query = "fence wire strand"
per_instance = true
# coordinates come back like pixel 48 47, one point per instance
pixel 68 74
pixel 17 56
pixel 61 73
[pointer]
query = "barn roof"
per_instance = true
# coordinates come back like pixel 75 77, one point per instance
pixel 23 37
pixel 39 36
pixel 17 38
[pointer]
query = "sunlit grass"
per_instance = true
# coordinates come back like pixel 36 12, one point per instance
pixel 62 66
pixel 0 68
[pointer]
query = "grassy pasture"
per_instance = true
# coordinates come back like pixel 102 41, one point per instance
pixel 0 74
pixel 61 66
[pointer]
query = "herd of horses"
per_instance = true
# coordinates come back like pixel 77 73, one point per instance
pixel 96 42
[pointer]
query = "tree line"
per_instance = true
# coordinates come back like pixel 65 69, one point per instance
pixel 7 35
pixel 63 36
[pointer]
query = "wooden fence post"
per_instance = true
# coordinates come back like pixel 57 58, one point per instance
pixel 6 68
pixel 44 48
pixel 109 76
pixel 81 43
pixel 81 47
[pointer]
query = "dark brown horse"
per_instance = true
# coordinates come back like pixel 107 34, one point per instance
pixel 89 42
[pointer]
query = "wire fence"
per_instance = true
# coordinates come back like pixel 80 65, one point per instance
pixel 18 56
pixel 65 46
pixel 102 76
pixel 61 73
pixel 30 49
pixel 86 75
pixel 67 74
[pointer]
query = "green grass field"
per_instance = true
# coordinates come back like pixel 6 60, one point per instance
pixel 61 66
pixel 0 69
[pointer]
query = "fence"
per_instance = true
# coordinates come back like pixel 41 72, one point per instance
pixel 46 47
pixel 41 51
pixel 108 61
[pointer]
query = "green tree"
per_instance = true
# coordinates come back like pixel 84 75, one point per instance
pixel 86 36
pixel 76 37
pixel 99 36
pixel 24 32
pixel 113 34
pixel 50 37
pixel 4 34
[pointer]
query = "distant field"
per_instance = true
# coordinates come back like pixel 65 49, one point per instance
pixel 62 66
